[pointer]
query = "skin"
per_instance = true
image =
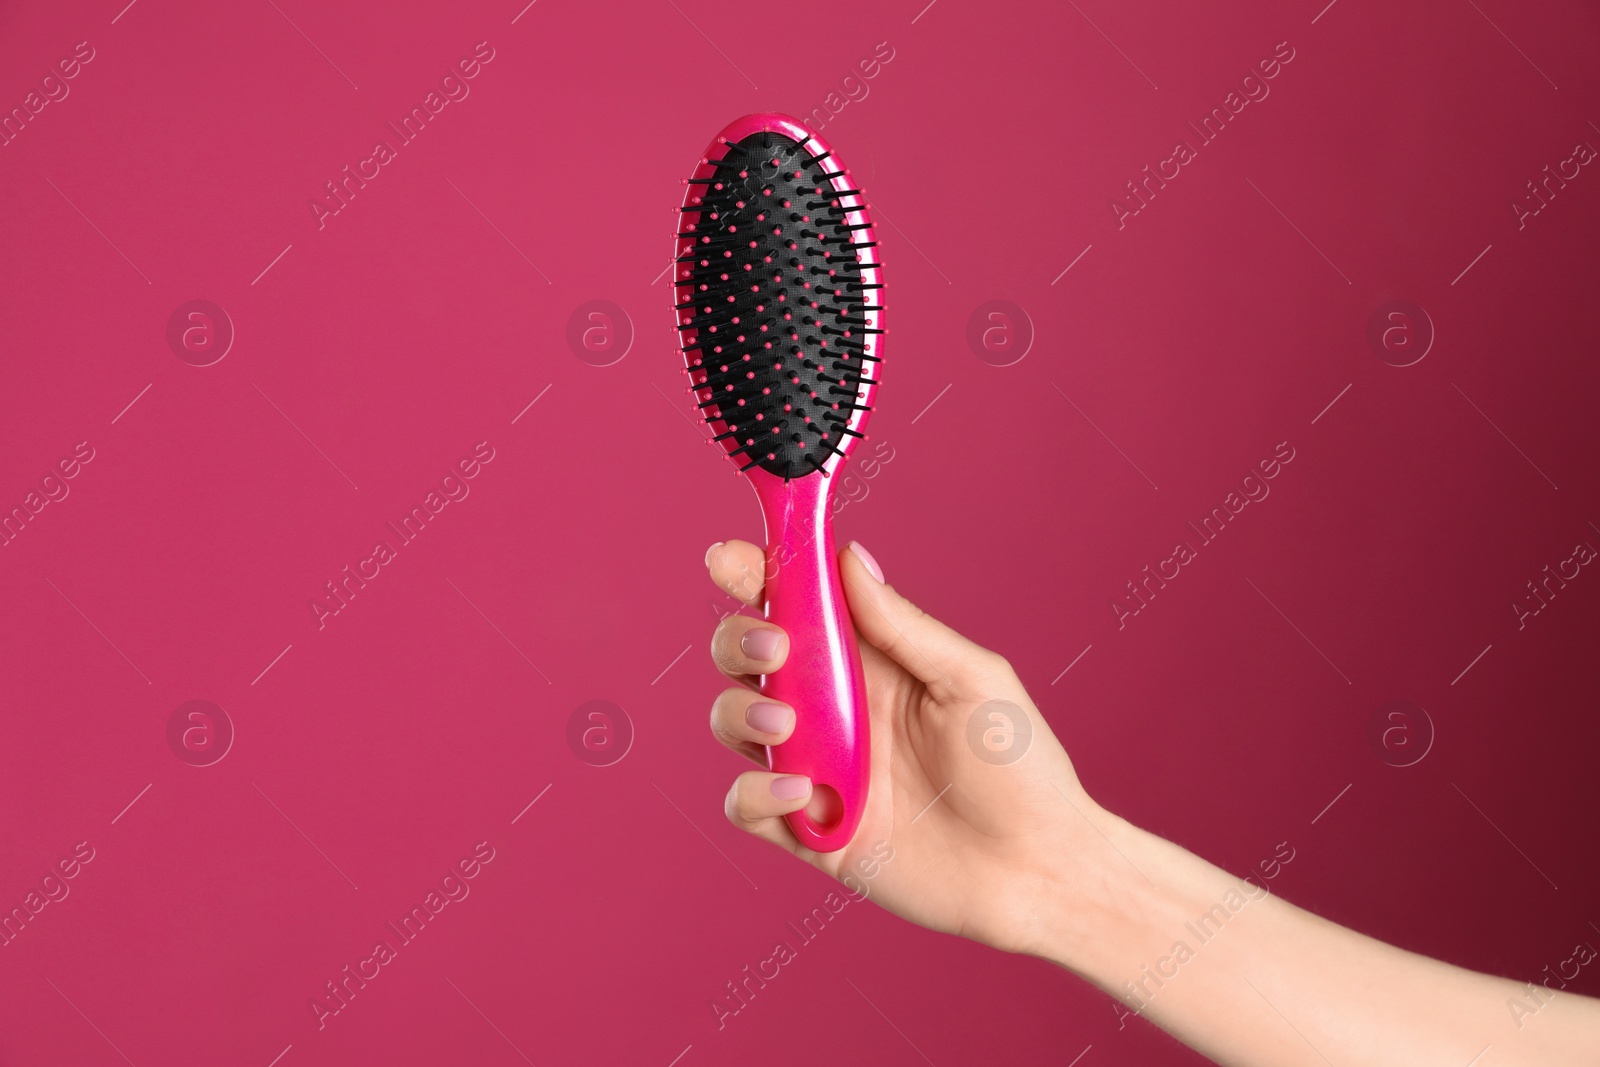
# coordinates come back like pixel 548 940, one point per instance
pixel 1019 857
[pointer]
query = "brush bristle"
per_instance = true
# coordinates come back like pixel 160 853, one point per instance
pixel 772 307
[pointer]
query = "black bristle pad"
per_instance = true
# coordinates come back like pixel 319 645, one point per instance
pixel 775 304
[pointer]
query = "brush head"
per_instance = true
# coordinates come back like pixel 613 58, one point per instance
pixel 776 298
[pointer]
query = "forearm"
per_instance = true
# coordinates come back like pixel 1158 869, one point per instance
pixel 1247 978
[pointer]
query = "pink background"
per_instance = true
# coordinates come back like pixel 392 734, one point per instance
pixel 378 350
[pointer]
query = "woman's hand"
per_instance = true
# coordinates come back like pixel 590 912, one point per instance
pixel 998 842
pixel 981 821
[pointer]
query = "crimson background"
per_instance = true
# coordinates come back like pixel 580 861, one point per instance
pixel 1221 320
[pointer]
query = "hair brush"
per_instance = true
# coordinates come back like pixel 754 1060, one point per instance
pixel 778 314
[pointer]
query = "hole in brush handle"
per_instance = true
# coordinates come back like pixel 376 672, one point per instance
pixel 824 813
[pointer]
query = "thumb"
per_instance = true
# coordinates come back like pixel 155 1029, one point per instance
pixel 928 649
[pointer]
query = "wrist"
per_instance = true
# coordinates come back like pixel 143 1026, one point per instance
pixel 1120 899
pixel 1101 898
pixel 1125 912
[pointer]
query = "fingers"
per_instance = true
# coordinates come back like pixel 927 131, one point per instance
pixel 743 647
pixel 928 649
pixel 759 800
pixel 745 721
pixel 935 654
pixel 739 569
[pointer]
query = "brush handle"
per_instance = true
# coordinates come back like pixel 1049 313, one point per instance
pixel 821 679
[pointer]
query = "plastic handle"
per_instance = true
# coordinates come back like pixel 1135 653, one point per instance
pixel 821 679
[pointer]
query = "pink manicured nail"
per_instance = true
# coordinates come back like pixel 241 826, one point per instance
pixel 791 786
pixel 866 558
pixel 761 643
pixel 710 550
pixel 768 717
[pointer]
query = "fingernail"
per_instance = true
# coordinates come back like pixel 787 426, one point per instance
pixel 761 644
pixel 866 558
pixel 767 717
pixel 791 786
pixel 710 550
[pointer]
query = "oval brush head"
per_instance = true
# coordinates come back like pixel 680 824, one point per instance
pixel 776 307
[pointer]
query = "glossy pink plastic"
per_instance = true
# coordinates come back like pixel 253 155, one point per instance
pixel 821 679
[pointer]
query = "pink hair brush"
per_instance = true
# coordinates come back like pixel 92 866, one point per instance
pixel 777 310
